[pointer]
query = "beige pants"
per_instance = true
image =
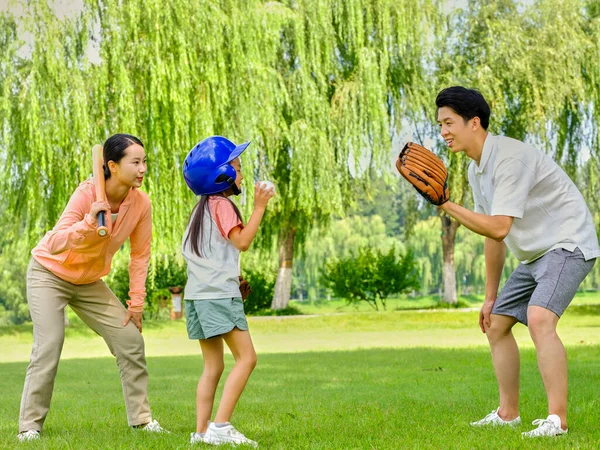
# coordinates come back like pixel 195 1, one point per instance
pixel 100 309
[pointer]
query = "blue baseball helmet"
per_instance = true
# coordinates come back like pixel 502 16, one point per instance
pixel 207 169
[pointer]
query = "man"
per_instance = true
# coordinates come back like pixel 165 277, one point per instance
pixel 526 202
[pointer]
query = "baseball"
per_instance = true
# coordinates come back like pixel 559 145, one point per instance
pixel 267 185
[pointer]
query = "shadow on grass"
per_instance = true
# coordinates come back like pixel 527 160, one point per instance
pixel 584 310
pixel 16 330
pixel 464 301
pixel 77 327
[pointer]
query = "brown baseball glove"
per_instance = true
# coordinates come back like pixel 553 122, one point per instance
pixel 425 171
pixel 244 288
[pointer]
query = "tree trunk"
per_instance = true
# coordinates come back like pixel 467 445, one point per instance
pixel 449 227
pixel 283 285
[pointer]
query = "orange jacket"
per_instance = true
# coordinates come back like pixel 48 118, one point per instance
pixel 75 253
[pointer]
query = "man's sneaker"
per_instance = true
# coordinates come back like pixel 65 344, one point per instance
pixel 494 420
pixel 546 427
pixel 153 427
pixel 30 435
pixel 226 435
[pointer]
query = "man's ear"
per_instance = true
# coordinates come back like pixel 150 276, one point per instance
pixel 476 123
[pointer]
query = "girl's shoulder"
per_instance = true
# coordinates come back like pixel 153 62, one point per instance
pixel 223 212
pixel 221 203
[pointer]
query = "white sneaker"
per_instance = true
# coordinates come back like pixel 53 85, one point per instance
pixel 197 438
pixel 226 435
pixel 30 435
pixel 494 420
pixel 153 427
pixel 546 427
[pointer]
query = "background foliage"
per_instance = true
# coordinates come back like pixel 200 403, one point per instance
pixel 326 89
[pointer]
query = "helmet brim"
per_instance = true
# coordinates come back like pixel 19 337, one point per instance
pixel 239 149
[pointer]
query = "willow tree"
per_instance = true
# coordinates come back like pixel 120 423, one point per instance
pixel 44 110
pixel 317 85
pixel 529 61
pixel 347 67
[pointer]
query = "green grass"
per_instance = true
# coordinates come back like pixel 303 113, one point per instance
pixel 378 398
pixel 393 380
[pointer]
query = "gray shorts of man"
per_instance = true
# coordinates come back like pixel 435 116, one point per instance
pixel 549 282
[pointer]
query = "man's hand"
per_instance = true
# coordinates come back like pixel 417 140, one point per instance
pixel 136 317
pixel 484 314
pixel 244 289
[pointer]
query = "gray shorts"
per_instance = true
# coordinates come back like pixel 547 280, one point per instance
pixel 212 317
pixel 550 282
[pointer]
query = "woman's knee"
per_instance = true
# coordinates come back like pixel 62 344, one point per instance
pixel 48 350
pixel 128 345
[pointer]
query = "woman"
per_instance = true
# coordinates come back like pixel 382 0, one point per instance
pixel 66 269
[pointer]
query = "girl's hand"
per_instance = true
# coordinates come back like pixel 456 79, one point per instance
pixel 262 196
pixel 97 207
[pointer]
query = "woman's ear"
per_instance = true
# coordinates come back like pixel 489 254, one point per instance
pixel 112 166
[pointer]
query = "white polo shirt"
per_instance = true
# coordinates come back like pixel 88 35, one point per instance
pixel 515 179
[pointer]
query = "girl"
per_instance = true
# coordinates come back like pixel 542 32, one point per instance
pixel 213 303
pixel 66 269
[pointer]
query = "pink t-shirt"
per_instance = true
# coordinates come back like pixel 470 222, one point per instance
pixel 223 214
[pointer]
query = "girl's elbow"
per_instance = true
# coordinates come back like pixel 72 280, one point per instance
pixel 241 246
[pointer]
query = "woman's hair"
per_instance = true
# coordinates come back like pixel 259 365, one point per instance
pixel 114 149
pixel 195 235
pixel 467 103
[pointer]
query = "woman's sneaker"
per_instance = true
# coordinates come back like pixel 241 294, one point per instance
pixel 30 435
pixel 226 435
pixel 494 420
pixel 546 427
pixel 153 427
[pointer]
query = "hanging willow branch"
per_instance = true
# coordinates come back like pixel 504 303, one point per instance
pixel 313 83
pixel 319 86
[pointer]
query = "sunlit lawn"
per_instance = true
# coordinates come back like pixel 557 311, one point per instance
pixel 390 380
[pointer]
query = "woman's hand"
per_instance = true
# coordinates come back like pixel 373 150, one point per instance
pixel 136 317
pixel 97 207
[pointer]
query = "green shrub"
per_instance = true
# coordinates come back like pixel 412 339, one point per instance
pixel 262 284
pixel 14 260
pixel 164 272
pixel 371 276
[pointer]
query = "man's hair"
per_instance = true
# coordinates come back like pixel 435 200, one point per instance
pixel 467 103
